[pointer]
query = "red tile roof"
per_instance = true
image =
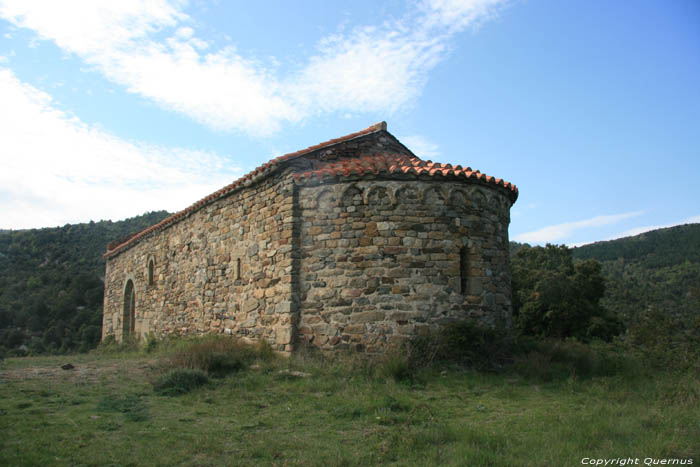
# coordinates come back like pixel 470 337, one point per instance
pixel 392 163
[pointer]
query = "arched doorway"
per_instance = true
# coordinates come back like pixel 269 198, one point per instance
pixel 129 317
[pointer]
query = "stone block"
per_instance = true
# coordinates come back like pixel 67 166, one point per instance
pixel 367 317
pixel 250 305
pixel 283 335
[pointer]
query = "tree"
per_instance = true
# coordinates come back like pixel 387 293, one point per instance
pixel 553 297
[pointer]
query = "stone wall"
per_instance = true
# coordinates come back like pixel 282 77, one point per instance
pixel 197 285
pixel 383 260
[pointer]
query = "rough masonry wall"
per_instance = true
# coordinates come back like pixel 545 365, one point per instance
pixel 382 261
pixel 198 287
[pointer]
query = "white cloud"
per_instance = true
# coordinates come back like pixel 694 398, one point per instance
pixel 57 169
pixel 459 14
pixel 554 233
pixel 373 68
pixel 420 146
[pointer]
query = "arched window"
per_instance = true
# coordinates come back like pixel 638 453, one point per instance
pixel 151 265
pixel 129 317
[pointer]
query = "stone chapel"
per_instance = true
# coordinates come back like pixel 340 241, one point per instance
pixel 352 243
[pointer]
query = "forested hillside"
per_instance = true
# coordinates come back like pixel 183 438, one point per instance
pixel 51 284
pixel 654 271
pixel 654 249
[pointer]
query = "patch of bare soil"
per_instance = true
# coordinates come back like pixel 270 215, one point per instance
pixel 79 371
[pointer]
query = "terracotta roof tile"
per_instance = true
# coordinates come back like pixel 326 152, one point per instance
pixel 397 163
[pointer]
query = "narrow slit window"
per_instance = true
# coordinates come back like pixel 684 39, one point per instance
pixel 150 272
pixel 463 270
pixel 129 314
pixel 238 269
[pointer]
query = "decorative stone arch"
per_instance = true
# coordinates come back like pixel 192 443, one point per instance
pixel 408 194
pixel 380 196
pixel 505 203
pixel 128 316
pixel 150 271
pixel 494 203
pixel 349 196
pixel 457 199
pixel 352 201
pixel 478 199
pixel 434 197
pixel 326 199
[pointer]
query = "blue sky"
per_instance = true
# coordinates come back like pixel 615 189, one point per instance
pixel 591 107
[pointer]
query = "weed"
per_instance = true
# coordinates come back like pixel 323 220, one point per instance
pixel 397 367
pixel 109 345
pixel 180 381
pixel 130 405
pixel 218 355
pixel 151 343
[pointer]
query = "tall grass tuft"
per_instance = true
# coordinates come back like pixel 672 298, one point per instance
pixel 218 355
pixel 110 346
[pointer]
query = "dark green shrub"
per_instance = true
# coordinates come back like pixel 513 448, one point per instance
pixel 151 343
pixel 465 343
pixel 555 297
pixel 397 367
pixel 180 381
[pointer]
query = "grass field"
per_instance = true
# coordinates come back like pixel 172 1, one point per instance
pixel 308 410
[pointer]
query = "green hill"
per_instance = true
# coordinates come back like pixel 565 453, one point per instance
pixel 655 271
pixel 654 249
pixel 51 283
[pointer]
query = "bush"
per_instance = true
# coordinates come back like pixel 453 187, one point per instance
pixel 465 343
pixel 397 367
pixel 555 297
pixel 551 359
pixel 218 355
pixel 494 349
pixel 180 381
pixel 151 343
pixel 665 340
